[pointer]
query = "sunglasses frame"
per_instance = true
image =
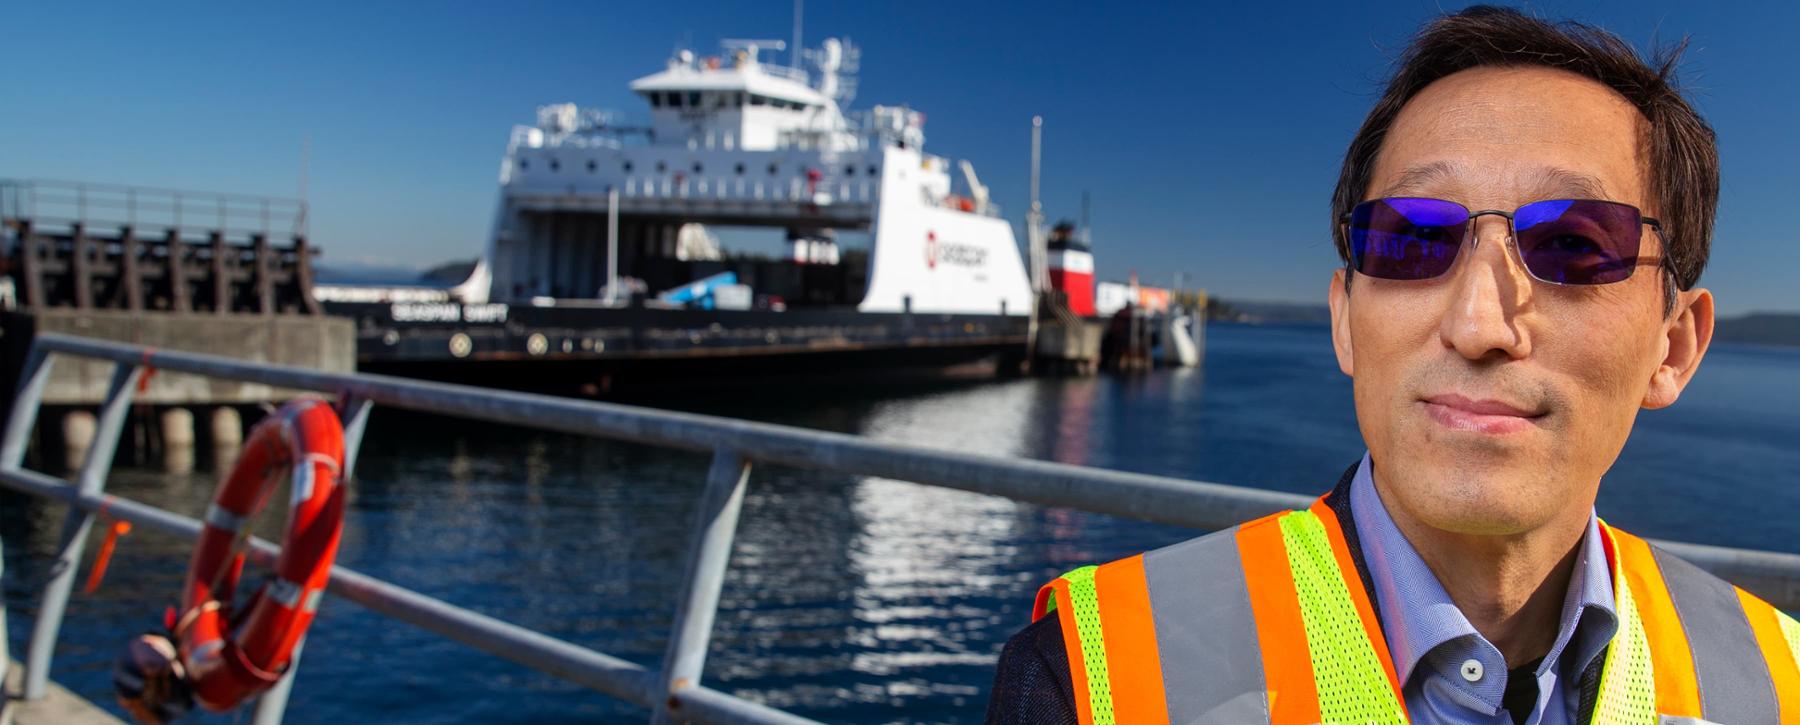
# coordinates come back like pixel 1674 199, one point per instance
pixel 1472 239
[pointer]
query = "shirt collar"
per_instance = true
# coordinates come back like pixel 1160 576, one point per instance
pixel 1418 615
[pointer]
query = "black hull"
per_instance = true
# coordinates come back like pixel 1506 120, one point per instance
pixel 605 352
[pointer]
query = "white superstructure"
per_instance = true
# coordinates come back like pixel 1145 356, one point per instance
pixel 734 141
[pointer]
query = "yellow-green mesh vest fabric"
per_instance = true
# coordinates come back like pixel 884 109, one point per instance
pixel 1628 677
pixel 1086 608
pixel 1790 630
pixel 1352 684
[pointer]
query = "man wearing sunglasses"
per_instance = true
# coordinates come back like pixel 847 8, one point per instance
pixel 1522 218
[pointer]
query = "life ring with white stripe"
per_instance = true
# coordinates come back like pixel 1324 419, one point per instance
pixel 231 655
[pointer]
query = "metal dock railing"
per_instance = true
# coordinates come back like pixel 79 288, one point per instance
pixel 671 689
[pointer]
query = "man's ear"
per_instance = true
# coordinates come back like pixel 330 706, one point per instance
pixel 1340 321
pixel 1686 335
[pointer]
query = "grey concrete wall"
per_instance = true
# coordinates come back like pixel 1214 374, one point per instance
pixel 318 342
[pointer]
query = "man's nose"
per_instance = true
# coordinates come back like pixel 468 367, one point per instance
pixel 1488 294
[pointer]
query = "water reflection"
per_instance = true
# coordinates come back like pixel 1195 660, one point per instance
pixel 925 556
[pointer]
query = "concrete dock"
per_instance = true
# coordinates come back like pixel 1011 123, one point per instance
pixel 59 706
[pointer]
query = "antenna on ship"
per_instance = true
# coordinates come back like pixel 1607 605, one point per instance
pixel 1034 221
pixel 305 161
pixel 1084 214
pixel 1034 237
pixel 799 15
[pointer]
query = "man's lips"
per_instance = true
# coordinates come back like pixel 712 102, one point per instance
pixel 1493 417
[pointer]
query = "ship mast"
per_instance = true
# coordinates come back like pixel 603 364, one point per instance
pixel 799 15
pixel 1034 220
pixel 1034 238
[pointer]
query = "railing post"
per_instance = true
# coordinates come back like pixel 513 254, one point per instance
pixel 272 705
pixel 75 529
pixel 12 455
pixel 715 524
pixel 24 410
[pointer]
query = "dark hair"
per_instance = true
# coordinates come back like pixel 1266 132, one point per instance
pixel 1681 149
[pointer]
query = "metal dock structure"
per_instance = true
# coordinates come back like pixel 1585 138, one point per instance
pixel 58 706
pixel 671 689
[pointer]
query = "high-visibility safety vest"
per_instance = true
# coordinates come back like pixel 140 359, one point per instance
pixel 1271 622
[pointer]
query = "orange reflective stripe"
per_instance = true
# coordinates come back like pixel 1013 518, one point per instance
pixel 1359 594
pixel 1671 659
pixel 1280 632
pixel 1057 593
pixel 1782 668
pixel 1133 663
pixel 1047 599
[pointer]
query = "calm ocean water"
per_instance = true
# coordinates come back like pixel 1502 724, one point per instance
pixel 858 600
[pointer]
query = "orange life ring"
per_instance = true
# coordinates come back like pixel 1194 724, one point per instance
pixel 231 655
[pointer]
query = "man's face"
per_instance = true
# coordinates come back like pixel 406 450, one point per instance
pixel 1492 403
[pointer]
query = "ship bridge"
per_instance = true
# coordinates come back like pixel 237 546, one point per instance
pixel 745 104
pixel 732 141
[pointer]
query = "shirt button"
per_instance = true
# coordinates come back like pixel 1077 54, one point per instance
pixel 1471 670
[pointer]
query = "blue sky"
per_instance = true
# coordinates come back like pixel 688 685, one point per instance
pixel 1209 137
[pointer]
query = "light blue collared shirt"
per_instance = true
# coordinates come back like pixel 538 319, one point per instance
pixel 1433 644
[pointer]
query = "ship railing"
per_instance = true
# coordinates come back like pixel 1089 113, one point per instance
pixel 672 689
pixel 963 204
pixel 788 72
pixel 749 189
pixel 52 201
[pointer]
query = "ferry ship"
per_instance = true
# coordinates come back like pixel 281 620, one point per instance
pixel 603 264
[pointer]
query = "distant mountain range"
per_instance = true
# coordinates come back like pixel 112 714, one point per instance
pixel 1267 313
pixel 1758 328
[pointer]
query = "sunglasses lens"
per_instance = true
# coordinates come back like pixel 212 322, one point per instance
pixel 1404 238
pixel 1579 242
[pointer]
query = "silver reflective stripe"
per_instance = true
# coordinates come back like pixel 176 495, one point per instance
pixel 285 593
pixel 219 518
pixel 312 600
pixel 301 489
pixel 1206 632
pixel 1735 685
pixel 200 658
pixel 304 476
pixel 1672 720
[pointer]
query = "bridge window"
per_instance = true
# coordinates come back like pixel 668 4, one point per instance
pixel 737 100
pixel 693 99
pixel 674 99
pixel 756 100
pixel 655 99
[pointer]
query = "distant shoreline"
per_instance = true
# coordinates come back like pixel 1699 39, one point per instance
pixel 1780 329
